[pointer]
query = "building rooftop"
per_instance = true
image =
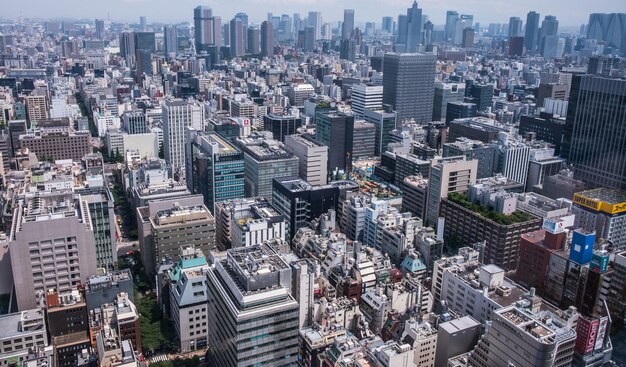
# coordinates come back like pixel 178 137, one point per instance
pixel 20 323
pixel 611 201
pixel 262 149
pixel 480 123
pixel 179 214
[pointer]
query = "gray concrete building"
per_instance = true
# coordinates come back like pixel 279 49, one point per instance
pixel 363 140
pixel 265 160
pixel 254 318
pixel 181 225
pixel 52 245
pixel 408 85
pixel 312 158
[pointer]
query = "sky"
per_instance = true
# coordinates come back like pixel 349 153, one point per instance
pixel 568 12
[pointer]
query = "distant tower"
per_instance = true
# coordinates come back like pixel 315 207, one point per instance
pixel 348 24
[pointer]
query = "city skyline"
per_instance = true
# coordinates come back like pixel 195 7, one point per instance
pixel 332 11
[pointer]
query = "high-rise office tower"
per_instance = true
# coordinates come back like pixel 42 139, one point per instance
pixel 219 36
pixel 145 41
pixel 253 44
pixel 610 28
pixel 366 97
pixel 308 39
pixel 515 27
pixel 267 39
pixel 236 37
pixel 52 246
pixel 100 29
pixel 243 17
pixel 532 32
pixel 414 27
pixel 427 37
pixel 315 21
pixel 467 40
pixel 348 24
pixel 251 308
pixel 449 31
pixel 203 28
pixel 215 168
pixel 387 25
pixel 402 29
pixel 297 23
pixel 593 141
pixel 286 27
pixel 347 49
pixel 408 85
pixel 446 93
pixel 143 23
pixel 170 39
pixel 335 130
pixel 548 41
pixel 127 45
pixel 178 115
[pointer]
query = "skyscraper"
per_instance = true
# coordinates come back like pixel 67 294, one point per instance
pixel 253 45
pixel 127 45
pixel 243 17
pixel 515 27
pixel 144 48
pixel 548 42
pixel 348 24
pixel 414 27
pixel 145 41
pixel 170 39
pixel 451 17
pixel 99 29
pixel 532 32
pixel 315 21
pixel 236 37
pixel 267 39
pixel 203 28
pixel 177 116
pixel 408 85
pixel 595 130
pixel 387 25
pixel 610 28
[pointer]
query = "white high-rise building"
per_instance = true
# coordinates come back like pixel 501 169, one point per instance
pixel 366 97
pixel 451 174
pixel 177 116
pixel 312 159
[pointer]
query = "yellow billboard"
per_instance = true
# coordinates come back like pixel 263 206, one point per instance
pixel 599 205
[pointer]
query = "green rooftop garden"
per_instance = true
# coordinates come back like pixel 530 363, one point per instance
pixel 516 217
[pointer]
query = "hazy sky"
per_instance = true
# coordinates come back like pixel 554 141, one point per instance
pixel 569 12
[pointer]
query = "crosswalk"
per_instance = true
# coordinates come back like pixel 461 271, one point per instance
pixel 161 358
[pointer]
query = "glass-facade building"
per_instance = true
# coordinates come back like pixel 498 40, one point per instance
pixel 214 168
pixel 595 131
